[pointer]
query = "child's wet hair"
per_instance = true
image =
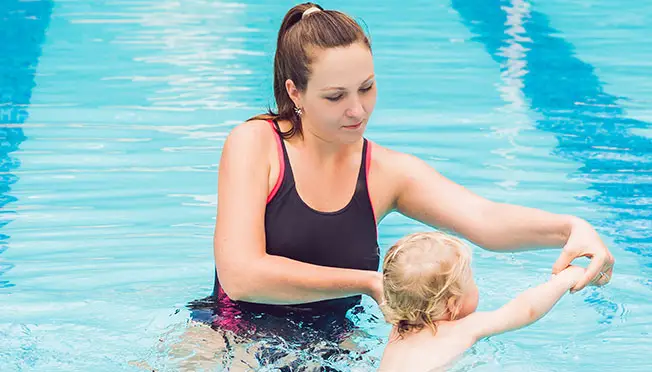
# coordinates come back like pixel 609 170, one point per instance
pixel 422 272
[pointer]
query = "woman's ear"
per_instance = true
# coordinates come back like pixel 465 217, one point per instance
pixel 293 92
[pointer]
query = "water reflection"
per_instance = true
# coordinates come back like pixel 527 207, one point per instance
pixel 22 31
pixel 567 99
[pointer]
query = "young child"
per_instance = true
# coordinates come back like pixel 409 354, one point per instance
pixel 431 300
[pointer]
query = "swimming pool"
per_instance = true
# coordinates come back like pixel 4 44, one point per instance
pixel 113 115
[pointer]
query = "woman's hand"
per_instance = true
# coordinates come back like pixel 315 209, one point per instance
pixel 584 241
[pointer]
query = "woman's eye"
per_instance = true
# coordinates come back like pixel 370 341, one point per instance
pixel 366 89
pixel 339 96
pixel 334 98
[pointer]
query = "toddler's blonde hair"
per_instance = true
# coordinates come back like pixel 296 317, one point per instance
pixel 421 273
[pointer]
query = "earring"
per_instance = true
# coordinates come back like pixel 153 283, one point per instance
pixel 298 111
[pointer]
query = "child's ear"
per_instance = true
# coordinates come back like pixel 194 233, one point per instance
pixel 453 306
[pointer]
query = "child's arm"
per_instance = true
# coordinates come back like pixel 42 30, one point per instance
pixel 525 309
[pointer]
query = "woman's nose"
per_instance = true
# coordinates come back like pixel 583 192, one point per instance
pixel 356 110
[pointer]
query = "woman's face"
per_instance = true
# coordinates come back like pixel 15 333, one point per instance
pixel 340 95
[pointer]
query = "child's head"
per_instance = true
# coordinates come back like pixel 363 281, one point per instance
pixel 426 278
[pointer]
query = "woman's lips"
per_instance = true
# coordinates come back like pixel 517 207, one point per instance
pixel 354 126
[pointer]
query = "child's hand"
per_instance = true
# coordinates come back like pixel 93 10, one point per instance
pixel 572 274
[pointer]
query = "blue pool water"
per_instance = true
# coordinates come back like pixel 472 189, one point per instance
pixel 113 114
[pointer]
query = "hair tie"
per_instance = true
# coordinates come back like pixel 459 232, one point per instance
pixel 310 11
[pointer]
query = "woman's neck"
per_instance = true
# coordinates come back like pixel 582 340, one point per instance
pixel 324 151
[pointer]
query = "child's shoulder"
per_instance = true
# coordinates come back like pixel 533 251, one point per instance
pixel 457 333
pixel 470 327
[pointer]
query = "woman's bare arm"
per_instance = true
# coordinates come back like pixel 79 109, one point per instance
pixel 427 196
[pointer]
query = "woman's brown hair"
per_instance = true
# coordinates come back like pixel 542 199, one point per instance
pixel 298 36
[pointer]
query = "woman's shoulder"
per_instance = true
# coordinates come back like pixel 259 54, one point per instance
pixel 255 136
pixel 389 170
pixel 394 170
pixel 256 130
pixel 248 144
pixel 389 161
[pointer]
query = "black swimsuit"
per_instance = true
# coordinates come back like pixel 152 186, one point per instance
pixel 344 239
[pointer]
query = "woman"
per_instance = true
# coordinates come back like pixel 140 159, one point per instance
pixel 301 191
